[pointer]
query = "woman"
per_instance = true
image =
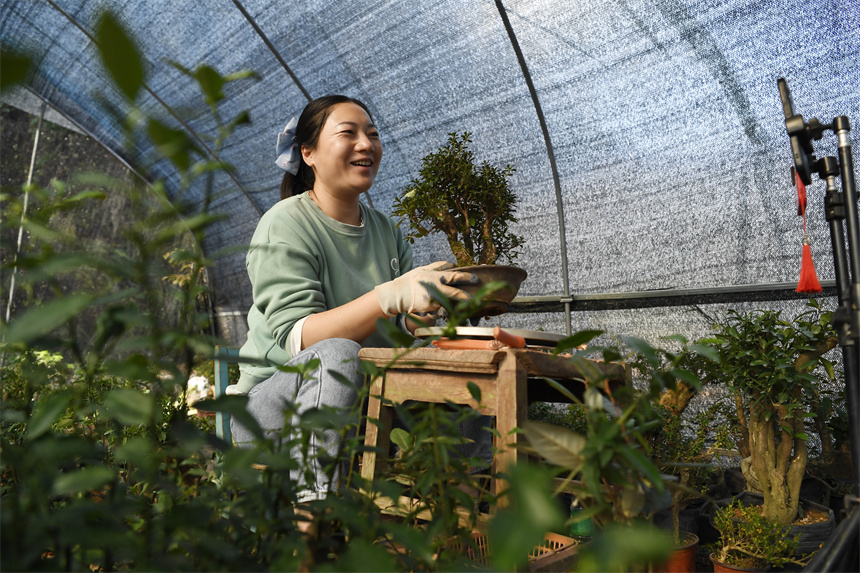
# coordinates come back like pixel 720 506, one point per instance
pixel 324 268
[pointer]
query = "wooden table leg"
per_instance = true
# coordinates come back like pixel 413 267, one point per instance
pixel 511 412
pixel 376 438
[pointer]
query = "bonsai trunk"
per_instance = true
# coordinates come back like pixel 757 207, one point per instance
pixel 778 457
pixel 677 399
pixel 680 499
pixel 460 250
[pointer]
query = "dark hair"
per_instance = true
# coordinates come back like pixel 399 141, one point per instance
pixel 308 130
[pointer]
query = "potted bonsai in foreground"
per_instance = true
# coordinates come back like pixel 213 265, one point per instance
pixel 751 542
pixel 473 206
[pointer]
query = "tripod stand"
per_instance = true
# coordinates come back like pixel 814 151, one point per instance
pixel 841 213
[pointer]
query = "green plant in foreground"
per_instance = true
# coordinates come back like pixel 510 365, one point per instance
pixel 749 539
pixel 102 469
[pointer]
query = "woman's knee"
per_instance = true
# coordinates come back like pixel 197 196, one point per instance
pixel 337 347
pixel 340 356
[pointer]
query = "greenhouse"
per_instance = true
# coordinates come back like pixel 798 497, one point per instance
pixel 674 183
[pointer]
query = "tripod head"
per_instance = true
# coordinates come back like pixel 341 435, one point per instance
pixel 801 134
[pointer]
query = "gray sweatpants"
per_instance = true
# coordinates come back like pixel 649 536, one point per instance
pixel 320 388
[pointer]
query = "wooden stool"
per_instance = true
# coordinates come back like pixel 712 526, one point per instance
pixel 509 380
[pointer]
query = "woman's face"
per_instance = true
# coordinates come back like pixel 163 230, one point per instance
pixel 348 152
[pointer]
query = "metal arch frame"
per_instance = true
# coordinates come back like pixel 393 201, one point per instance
pixel 551 154
pixel 170 110
pixel 272 48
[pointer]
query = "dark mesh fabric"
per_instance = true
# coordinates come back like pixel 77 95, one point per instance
pixel 664 118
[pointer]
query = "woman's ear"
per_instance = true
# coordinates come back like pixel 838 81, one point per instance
pixel 308 155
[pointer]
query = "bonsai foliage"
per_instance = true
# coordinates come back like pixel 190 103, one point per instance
pixel 772 366
pixel 749 539
pixel 473 206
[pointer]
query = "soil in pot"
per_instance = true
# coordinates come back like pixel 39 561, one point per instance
pixel 720 567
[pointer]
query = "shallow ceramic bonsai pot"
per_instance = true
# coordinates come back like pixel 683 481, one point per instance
pixel 498 302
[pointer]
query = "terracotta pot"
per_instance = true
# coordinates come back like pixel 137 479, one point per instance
pixel 720 567
pixel 683 558
pixel 499 301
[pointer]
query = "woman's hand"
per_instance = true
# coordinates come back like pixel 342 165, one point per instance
pixel 409 293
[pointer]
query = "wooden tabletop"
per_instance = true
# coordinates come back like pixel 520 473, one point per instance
pixel 536 362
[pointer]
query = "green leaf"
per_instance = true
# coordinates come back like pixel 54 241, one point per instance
pixel 706 351
pixel 84 479
pixel 47 412
pixel 135 367
pixel 402 439
pixel 15 68
pixel 237 407
pixel 474 390
pixel 644 466
pixel 172 143
pixel 119 55
pixel 632 501
pixel 139 451
pixel 211 83
pixel 576 340
pixel 394 335
pixel 558 445
pixel 128 406
pixel 41 320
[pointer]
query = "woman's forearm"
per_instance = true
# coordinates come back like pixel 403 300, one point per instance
pixel 355 320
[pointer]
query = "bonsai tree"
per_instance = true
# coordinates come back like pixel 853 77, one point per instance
pixel 752 541
pixel 472 205
pixel 772 367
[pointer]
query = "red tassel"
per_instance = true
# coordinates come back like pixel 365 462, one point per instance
pixel 808 282
pixel 801 196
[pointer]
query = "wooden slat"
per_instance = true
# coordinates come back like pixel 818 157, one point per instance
pixel 479 361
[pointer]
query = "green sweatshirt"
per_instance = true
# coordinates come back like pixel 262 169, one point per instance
pixel 302 261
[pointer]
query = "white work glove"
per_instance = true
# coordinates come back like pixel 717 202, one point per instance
pixel 409 293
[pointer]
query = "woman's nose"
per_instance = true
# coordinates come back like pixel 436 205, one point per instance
pixel 364 142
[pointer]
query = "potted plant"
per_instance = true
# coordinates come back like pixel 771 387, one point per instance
pixel 770 364
pixel 610 467
pixel 677 444
pixel 473 206
pixel 681 458
pixel 751 542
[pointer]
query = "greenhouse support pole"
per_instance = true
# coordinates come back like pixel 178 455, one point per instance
pixel 551 154
pixel 24 211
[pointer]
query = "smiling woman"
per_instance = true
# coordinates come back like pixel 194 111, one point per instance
pixel 325 268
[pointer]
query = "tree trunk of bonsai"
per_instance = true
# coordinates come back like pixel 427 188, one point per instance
pixel 779 459
pixel 677 399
